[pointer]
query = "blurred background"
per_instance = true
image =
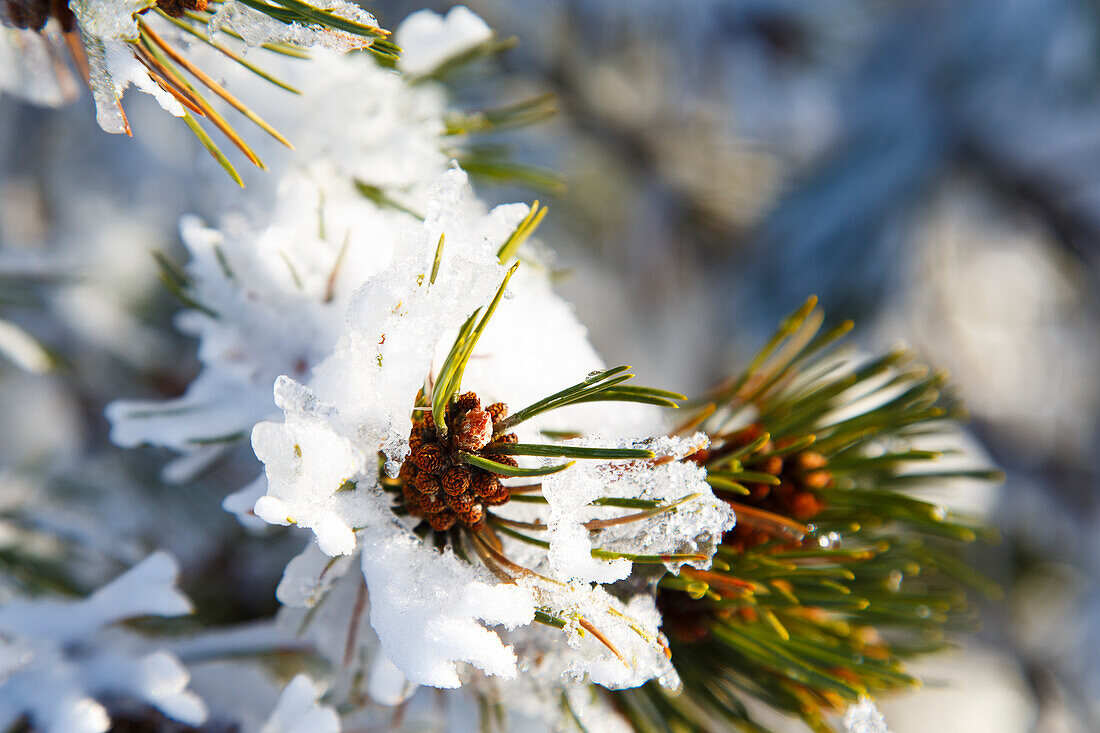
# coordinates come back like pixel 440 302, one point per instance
pixel 930 169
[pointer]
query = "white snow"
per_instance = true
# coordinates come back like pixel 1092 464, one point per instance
pixel 60 657
pixel 640 652
pixel 298 710
pixel 105 26
pixel 309 576
pixel 397 319
pixel 386 684
pixel 695 526
pixel 430 610
pixel 307 464
pixel 427 39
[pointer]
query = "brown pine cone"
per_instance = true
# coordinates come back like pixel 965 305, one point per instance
pixel 500 495
pixel 429 457
pixel 467 401
pixel 408 472
pixel 433 503
pixel 461 503
pixel 442 522
pixel 427 483
pixel 484 485
pixel 456 480
pixel 474 430
pixel 472 516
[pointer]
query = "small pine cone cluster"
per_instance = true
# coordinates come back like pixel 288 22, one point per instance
pixel 33 14
pixel 801 475
pixel 176 8
pixel 435 484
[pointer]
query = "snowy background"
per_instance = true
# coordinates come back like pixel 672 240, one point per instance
pixel 931 169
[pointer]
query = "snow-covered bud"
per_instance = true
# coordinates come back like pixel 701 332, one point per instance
pixel 475 430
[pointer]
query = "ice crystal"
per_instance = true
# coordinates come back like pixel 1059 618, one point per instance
pixel 257 28
pixel 695 525
pixel 105 27
pixel 864 717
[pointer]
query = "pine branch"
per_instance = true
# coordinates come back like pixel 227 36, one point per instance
pixel 834 573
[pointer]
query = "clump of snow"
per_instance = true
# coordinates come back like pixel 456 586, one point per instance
pixel 122 69
pixel 864 717
pixel 386 684
pixel 307 467
pixel 59 658
pixel 430 609
pixel 427 39
pixel 298 710
pixel 397 319
pixel 309 576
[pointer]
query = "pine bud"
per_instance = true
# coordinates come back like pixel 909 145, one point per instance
pixel 475 430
